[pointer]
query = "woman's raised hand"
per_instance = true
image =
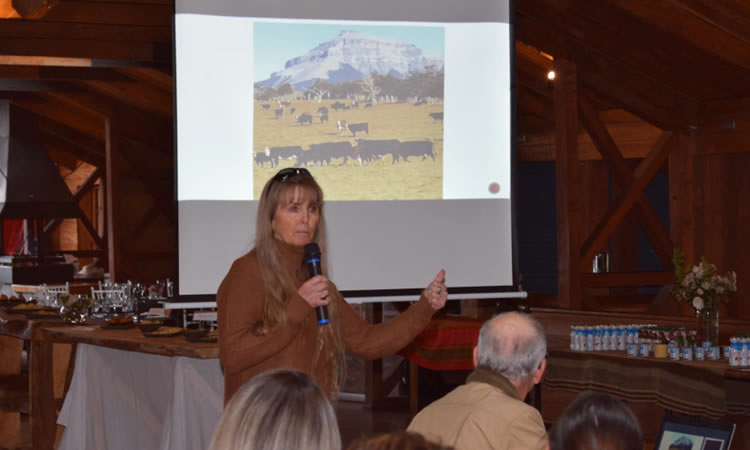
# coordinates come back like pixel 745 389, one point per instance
pixel 436 292
pixel 315 291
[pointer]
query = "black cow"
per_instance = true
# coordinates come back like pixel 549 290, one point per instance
pixel 278 113
pixel 325 152
pixel 373 150
pixel 357 127
pixel 323 117
pixel 265 106
pixel 368 105
pixel 291 111
pixel 415 148
pixel 305 118
pixel 437 117
pixel 323 110
pixel 338 105
pixel 286 152
pixel 261 159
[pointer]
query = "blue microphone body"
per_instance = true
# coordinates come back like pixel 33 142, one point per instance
pixel 312 259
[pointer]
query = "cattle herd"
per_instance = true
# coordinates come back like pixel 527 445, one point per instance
pixel 364 151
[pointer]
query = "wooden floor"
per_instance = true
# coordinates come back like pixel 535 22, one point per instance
pixel 357 420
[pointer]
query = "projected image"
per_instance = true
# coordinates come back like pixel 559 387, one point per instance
pixel 360 106
pixel 681 441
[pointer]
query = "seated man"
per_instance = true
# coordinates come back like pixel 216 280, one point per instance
pixel 488 411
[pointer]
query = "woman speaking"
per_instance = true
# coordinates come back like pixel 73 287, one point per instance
pixel 266 303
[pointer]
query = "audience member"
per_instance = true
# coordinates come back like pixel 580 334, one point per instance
pixel 596 421
pixel 488 412
pixel 278 410
pixel 398 440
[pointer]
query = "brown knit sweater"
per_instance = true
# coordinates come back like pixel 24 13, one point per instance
pixel 243 354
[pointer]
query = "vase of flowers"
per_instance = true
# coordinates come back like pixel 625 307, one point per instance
pixel 702 287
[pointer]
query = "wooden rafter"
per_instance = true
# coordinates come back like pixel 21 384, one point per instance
pixel 32 9
pixel 622 175
pixel 83 189
pixel 624 202
pixel 568 184
pixel 162 198
pixel 84 147
pixel 648 98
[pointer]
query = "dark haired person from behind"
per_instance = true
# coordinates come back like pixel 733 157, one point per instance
pixel 267 301
pixel 596 421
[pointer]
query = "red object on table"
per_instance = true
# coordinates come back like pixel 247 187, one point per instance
pixel 447 343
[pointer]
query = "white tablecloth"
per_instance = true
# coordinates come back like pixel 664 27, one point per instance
pixel 126 400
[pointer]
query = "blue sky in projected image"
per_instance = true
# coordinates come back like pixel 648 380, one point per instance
pixel 289 40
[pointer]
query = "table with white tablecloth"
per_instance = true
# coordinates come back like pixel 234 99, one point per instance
pixel 121 399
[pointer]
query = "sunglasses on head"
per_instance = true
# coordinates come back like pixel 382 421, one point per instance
pixel 285 174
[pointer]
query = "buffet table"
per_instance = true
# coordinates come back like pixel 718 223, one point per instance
pixel 699 388
pixel 130 391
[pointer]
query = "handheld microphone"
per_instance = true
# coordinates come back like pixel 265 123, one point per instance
pixel 312 259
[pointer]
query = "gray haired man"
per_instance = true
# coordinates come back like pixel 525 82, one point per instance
pixel 488 411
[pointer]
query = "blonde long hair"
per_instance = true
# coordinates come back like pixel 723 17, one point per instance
pixel 278 410
pixel 279 282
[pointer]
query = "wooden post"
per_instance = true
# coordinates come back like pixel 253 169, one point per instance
pixel 567 184
pixel 42 414
pixel 110 205
pixel 682 192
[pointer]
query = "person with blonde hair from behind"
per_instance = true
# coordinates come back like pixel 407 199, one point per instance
pixel 596 421
pixel 278 410
pixel 397 440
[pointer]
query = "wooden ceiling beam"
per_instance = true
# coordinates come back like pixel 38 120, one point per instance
pixel 141 125
pixel 137 95
pixel 112 13
pixel 83 147
pixel 82 31
pixel 632 41
pixel 131 151
pixel 537 105
pixel 624 202
pixel 15 85
pixel 733 17
pixel 20 72
pixel 650 99
pixel 691 28
pixel 33 9
pixel 133 52
pixel 652 226
pixel 156 77
pixel 75 118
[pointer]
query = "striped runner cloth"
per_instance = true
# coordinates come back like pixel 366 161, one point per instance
pixel 697 388
pixel 447 343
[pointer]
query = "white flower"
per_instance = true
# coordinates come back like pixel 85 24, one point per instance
pixel 698 303
pixel 700 291
pixel 706 285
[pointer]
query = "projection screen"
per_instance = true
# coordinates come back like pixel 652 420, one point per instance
pixel 402 110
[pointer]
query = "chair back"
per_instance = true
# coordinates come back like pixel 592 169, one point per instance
pixel 57 290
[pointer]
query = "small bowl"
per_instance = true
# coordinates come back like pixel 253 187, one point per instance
pixel 149 327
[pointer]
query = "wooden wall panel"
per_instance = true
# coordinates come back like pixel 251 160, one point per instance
pixel 725 221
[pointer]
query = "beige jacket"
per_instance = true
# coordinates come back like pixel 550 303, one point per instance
pixel 485 413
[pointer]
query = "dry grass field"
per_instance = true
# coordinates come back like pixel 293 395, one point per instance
pixel 382 180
